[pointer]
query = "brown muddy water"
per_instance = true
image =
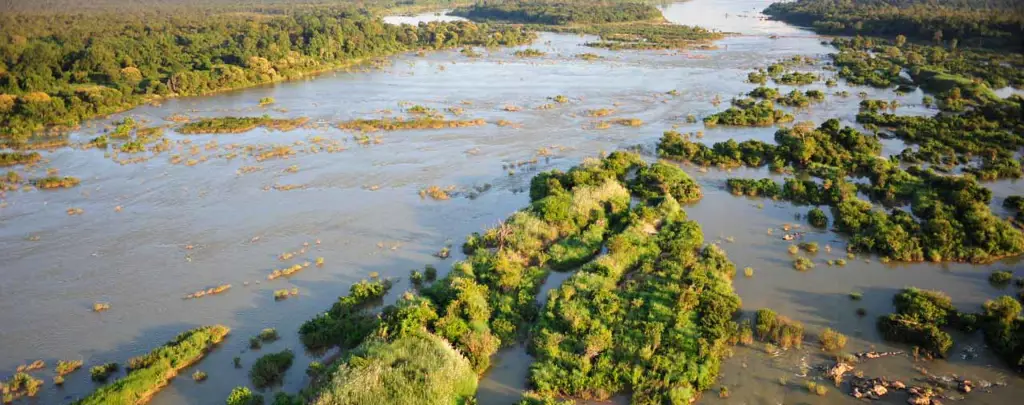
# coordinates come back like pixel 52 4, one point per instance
pixel 184 228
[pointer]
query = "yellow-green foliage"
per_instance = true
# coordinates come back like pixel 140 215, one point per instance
pixel 777 329
pixel 235 125
pixel 414 369
pixel 832 341
pixel 395 124
pixel 153 371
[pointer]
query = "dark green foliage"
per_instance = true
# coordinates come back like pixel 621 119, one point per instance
pixel 347 323
pixel 283 398
pixel 675 293
pixel 1014 203
pixel 559 13
pixel 950 217
pixel 661 179
pixel 1000 277
pixel 754 188
pixel 55 77
pixel 762 113
pixel 971 22
pixel 269 369
pixel 1004 330
pixel 620 25
pixel 244 396
pixel 918 318
pixel 817 218
pixel 102 372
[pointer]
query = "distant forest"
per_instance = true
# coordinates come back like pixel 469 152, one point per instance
pixel 976 23
pixel 58 68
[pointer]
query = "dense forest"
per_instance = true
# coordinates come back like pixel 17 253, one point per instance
pixel 58 69
pixel 559 13
pixel 979 23
pixel 619 24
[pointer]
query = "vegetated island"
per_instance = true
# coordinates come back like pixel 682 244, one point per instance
pixel 620 25
pixel 149 373
pixel 448 329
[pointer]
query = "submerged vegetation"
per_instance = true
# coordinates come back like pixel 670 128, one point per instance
pixel 396 124
pixel 151 372
pixel 234 125
pixel 949 218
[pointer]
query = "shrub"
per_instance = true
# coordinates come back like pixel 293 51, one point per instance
pixel 268 335
pixel 269 369
pixel 102 372
pixel 244 396
pixel 832 341
pixel 1000 278
pixel 802 263
pixel 816 217
pixel 779 330
pixel 199 376
pixel 809 247
pixel 66 367
pixel 430 273
pixel 414 369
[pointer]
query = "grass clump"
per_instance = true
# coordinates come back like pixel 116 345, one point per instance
pixel 809 247
pixel 793 249
pixel 18 158
pixel 802 263
pixel 19 385
pixel 778 330
pixel 285 293
pixel 266 101
pixel 437 193
pixel 420 368
pixel 396 124
pixel 236 125
pixel 101 372
pixel 832 341
pixel 153 371
pixel 269 369
pixel 529 53
pixel 52 182
pixel 199 376
pixel 67 367
pixel 748 272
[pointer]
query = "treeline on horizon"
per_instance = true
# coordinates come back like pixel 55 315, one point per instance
pixel 58 69
pixel 976 23
pixel 559 12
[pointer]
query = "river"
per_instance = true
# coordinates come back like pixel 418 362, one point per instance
pixel 154 231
